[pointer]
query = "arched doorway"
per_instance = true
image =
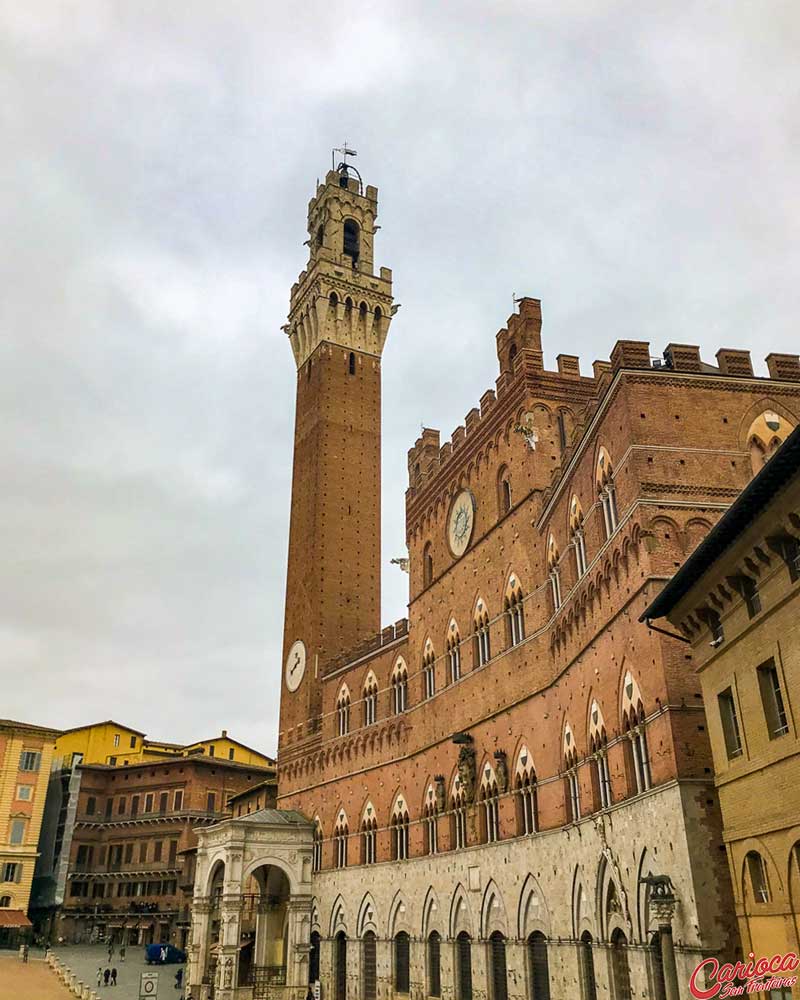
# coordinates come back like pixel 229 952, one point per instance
pixel 619 966
pixel 369 972
pixel 539 966
pixel 498 972
pixel 313 958
pixel 587 967
pixel 215 886
pixel 464 966
pixel 657 965
pixel 263 930
pixel 340 966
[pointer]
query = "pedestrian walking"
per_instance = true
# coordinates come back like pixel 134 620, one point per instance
pixel 99 975
pixel 122 953
pixel 114 977
pixel 179 979
pixel 25 953
pixel 106 977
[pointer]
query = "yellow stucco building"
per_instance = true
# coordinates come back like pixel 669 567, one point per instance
pixel 114 744
pixel 26 753
pixel 736 600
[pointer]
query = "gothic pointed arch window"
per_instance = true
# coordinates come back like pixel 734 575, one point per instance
pixel 634 726
pixel 343 711
pixel 369 835
pixel 598 746
pixel 539 966
pixel 341 835
pixel 431 822
pixel 453 653
pixel 429 670
pixel 503 491
pixel 482 637
pixel 489 798
pixel 526 794
pixel 458 812
pixel 514 612
pixel 399 828
pixel 766 434
pixel 606 492
pixel 316 850
pixel 577 538
pixel 370 694
pixel 400 686
pixel 573 792
pixel 427 565
pixel 553 559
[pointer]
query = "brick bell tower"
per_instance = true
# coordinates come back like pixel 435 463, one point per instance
pixel 339 317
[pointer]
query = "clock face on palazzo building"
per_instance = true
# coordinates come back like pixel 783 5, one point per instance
pixel 295 665
pixel 460 523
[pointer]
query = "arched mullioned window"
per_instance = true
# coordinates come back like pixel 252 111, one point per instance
pixel 503 491
pixel 341 835
pixel 482 640
pixel 539 966
pixel 598 746
pixel 606 491
pixel 350 243
pixel 431 822
pixel 453 653
pixel 766 434
pixel 316 850
pixel 573 793
pixel 400 687
pixel 429 670
pixel 343 711
pixel 637 758
pixel 490 800
pixel 577 537
pixel 369 836
pixel 458 812
pixel 399 828
pixel 553 558
pixel 370 699
pixel 527 797
pixel 514 612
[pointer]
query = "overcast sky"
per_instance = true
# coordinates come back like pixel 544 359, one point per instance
pixel 634 165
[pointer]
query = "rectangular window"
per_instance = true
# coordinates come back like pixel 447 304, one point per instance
pixel 30 760
pixel 116 740
pixel 91 805
pixel 772 699
pixel 121 807
pixel 135 805
pixel 211 750
pixel 11 871
pixel 211 802
pixel 142 852
pixel 758 877
pixel 17 831
pixel 230 754
pixel 109 807
pixel 133 742
pixel 128 853
pixel 148 802
pixel 163 801
pixel 157 850
pixel 178 801
pixel 173 851
pixel 112 761
pixel 730 723
pixel 24 793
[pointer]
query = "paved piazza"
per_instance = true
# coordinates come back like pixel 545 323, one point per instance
pixel 34 981
pixel 84 960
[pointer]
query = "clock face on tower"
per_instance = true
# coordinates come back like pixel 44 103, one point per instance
pixel 295 665
pixel 461 522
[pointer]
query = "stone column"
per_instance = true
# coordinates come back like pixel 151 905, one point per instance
pixel 228 965
pixel 262 927
pixel 662 908
pixel 298 941
pixel 198 945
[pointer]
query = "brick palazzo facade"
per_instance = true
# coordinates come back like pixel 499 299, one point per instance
pixel 491 783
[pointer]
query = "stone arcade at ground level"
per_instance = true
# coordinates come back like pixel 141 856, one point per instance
pixel 251 922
